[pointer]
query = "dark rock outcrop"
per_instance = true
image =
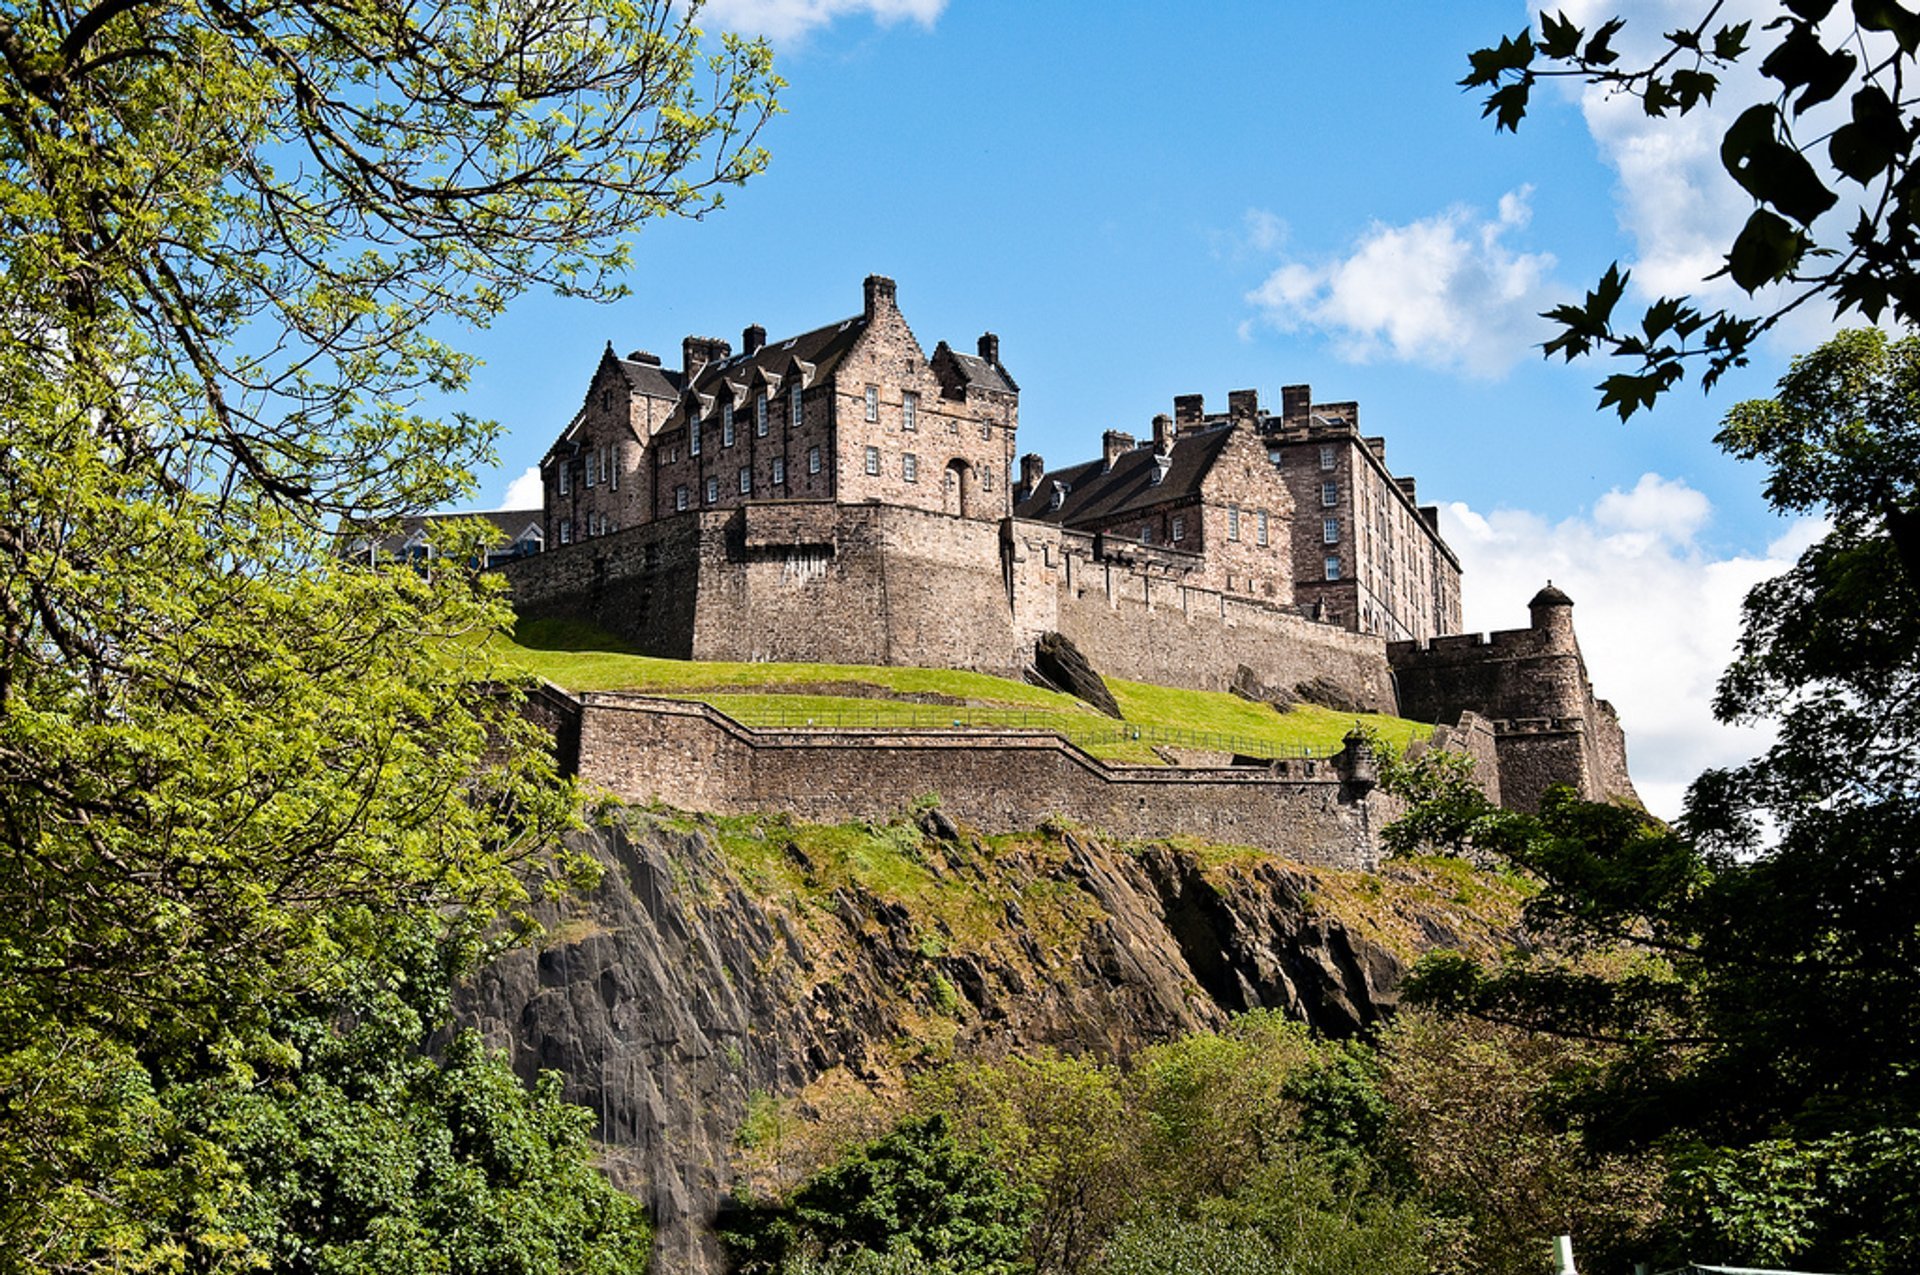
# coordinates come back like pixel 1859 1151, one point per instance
pixel 1062 666
pixel 675 994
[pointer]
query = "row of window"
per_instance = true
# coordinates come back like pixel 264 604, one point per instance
pixel 1260 525
pixel 796 409
pixel 597 524
pixel 910 412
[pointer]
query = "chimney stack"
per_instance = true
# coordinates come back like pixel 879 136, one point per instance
pixel 1162 434
pixel 752 339
pixel 1032 470
pixel 990 348
pixel 1296 404
pixel 1189 410
pixel 879 288
pixel 698 351
pixel 1243 404
pixel 642 356
pixel 1113 445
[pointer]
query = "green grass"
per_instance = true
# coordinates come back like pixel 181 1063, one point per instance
pixel 580 658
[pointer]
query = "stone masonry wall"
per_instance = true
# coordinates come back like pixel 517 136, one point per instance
pixel 691 757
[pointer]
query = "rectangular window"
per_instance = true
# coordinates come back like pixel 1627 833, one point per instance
pixel 1146 535
pixel 611 463
pixel 873 402
pixel 910 467
pixel 1330 531
pixel 693 433
pixel 606 400
pixel 986 478
pixel 1260 528
pixel 566 531
pixel 1330 493
pixel 1233 522
pixel 563 475
pixel 1333 568
pixel 797 410
pixel 779 471
pixel 813 460
pixel 726 424
pixel 760 414
pixel 1326 458
pixel 909 410
pixel 1179 527
pixel 680 497
pixel 713 490
pixel 746 480
pixel 593 466
pixel 873 460
pixel 986 431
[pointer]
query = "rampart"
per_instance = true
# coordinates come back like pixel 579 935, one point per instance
pixel 1548 727
pixel 822 582
pixel 692 757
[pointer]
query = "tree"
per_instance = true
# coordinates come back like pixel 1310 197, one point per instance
pixel 232 760
pixel 1758 967
pixel 1796 166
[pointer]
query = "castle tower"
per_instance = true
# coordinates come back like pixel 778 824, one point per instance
pixel 1552 612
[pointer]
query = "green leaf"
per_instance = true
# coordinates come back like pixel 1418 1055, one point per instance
pixel 1767 249
pixel 1866 147
pixel 1771 171
pixel 1599 51
pixel 1731 41
pixel 1802 61
pixel 1559 37
pixel 1890 15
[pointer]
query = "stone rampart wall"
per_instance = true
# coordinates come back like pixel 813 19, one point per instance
pixel 690 756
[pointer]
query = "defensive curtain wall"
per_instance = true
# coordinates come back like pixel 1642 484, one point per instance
pixel 1548 727
pixel 694 758
pixel 821 582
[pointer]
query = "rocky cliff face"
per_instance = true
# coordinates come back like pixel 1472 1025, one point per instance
pixel 723 963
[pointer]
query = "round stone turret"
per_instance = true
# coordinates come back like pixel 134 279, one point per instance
pixel 1552 612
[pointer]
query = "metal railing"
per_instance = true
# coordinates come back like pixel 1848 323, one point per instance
pixel 770 714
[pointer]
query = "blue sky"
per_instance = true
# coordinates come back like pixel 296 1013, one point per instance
pixel 1146 200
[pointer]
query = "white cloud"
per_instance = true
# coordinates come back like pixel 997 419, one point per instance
pixel 524 492
pixel 1657 614
pixel 1445 291
pixel 789 19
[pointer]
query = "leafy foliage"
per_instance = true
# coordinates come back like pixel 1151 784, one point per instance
pixel 915 1194
pixel 240 774
pixel 1795 169
pixel 1758 967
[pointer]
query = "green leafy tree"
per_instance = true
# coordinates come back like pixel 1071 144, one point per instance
pixel 235 235
pixel 1759 966
pixel 1796 166
pixel 914 1195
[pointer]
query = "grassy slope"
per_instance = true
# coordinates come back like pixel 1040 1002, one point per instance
pixel 580 658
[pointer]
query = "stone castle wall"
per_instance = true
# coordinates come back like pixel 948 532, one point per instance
pixel 822 582
pixel 1532 683
pixel 692 757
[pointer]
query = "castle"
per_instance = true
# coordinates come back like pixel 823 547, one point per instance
pixel 841 496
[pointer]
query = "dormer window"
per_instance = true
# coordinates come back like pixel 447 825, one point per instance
pixel 760 414
pixel 798 414
pixel 726 422
pixel 693 429
pixel 1161 466
pixel 1059 496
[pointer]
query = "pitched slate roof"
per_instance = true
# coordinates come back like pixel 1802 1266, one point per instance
pixel 978 372
pixel 823 348
pixel 1096 497
pixel 513 523
pixel 650 378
